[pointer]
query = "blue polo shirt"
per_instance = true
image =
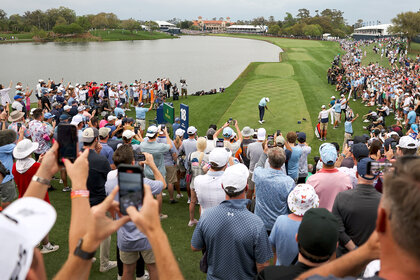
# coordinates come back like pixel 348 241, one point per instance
pixel 118 111
pixel 141 113
pixel 107 152
pixel 411 117
pixel 235 240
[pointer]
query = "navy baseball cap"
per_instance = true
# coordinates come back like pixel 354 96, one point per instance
pixel 362 169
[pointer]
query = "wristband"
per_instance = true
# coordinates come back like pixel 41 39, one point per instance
pixel 343 155
pixel 41 180
pixel 79 193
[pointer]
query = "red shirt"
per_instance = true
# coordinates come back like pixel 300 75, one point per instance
pixel 23 180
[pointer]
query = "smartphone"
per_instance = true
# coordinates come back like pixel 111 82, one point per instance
pixel 220 143
pixel 130 181
pixel 394 146
pixel 270 141
pixel 162 127
pixel 19 125
pixel 374 167
pixel 139 157
pixel 229 120
pixel 278 132
pixel 68 142
pixel 350 142
pixel 136 130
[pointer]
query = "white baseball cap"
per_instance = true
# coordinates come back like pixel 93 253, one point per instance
pixel 66 107
pixel 191 130
pixel 261 132
pixel 235 177
pixel 267 99
pixel 76 120
pixel 407 142
pixel 219 156
pixel 127 134
pixel 151 131
pixel 23 224
pixel 180 132
pixel 111 118
pixel 333 97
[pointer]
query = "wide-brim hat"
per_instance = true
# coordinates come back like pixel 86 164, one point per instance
pixel 247 131
pixel 302 198
pixel 24 148
pixel 15 115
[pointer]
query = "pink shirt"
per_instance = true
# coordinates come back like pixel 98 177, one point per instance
pixel 327 184
pixel 102 123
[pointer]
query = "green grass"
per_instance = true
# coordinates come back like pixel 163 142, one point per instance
pixel 297 88
pixel 21 37
pixel 123 35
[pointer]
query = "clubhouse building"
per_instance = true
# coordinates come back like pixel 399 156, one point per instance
pixel 371 32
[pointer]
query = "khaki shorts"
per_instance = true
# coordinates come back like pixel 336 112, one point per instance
pixel 132 257
pixel 8 191
pixel 171 177
pixel 324 126
pixel 142 124
pixel 251 184
pixel 338 116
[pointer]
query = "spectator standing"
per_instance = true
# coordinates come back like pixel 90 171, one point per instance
pixel 253 153
pixel 329 181
pixel 99 167
pixel 293 162
pixel 40 133
pixel 272 187
pixel 188 146
pixel 356 210
pixel 316 239
pixel 235 240
pixel 283 235
pixel 303 160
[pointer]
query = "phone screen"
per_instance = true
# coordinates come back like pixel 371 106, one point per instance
pixel 67 140
pixel 220 143
pixel 270 141
pixel 374 167
pixel 130 181
pixel 350 143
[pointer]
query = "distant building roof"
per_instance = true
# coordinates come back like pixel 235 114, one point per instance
pixel 380 26
pixel 244 26
pixel 164 23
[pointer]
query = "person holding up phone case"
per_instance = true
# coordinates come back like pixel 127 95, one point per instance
pixel 129 238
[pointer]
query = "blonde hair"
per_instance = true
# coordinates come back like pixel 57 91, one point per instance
pixel 201 146
pixel 178 142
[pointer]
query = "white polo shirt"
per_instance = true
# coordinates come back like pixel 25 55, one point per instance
pixel 209 189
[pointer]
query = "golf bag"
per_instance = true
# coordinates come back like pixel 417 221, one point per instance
pixel 318 130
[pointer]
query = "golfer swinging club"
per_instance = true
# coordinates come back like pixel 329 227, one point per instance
pixel 262 106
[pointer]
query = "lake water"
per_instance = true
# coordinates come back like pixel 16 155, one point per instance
pixel 205 62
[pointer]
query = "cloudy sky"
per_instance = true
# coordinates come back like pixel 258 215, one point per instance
pixel 368 10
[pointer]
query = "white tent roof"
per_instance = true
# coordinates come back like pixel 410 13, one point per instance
pixel 163 23
pixel 380 26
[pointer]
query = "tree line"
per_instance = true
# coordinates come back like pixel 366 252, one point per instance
pixel 62 20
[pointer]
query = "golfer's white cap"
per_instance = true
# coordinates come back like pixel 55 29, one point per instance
pixel 333 97
pixel 323 107
pixel 342 95
pixel 261 133
pixel 267 99
pixel 23 224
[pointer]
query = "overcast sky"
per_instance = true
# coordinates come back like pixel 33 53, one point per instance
pixel 368 10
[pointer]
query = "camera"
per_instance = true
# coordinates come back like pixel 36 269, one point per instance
pixel 183 81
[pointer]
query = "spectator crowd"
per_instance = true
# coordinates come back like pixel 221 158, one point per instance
pixel 267 208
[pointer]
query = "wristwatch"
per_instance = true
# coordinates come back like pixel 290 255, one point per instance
pixel 41 180
pixel 82 254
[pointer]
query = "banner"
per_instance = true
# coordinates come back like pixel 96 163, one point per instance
pixel 184 117
pixel 159 115
pixel 168 113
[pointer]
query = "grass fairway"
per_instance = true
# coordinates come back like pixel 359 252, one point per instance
pixel 297 88
pixel 124 35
